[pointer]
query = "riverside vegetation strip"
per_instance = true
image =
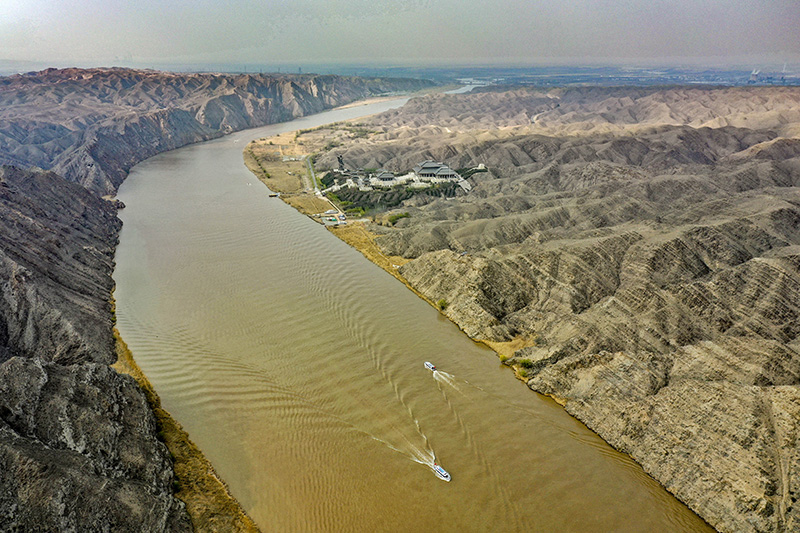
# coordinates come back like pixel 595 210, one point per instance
pixel 633 253
pixel 278 163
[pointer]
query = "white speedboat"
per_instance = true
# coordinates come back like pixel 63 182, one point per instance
pixel 440 472
pixel 430 366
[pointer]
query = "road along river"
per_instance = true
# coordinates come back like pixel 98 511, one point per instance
pixel 297 367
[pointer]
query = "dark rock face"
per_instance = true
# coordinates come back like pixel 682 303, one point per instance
pixel 78 446
pixel 78 452
pixel 56 257
pixel 646 245
pixel 92 125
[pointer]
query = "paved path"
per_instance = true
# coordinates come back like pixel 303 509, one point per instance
pixel 310 184
pixel 310 179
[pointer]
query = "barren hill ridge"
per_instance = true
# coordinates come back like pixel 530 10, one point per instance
pixel 641 247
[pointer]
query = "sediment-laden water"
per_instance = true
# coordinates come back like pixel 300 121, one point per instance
pixel 297 366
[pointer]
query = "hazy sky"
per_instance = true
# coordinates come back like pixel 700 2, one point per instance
pixel 392 31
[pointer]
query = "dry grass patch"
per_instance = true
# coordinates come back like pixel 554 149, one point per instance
pixel 280 176
pixel 308 204
pixel 506 349
pixel 357 236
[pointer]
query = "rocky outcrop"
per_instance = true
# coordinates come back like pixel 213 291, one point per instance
pixel 478 292
pixel 679 347
pixel 78 443
pixel 726 446
pixel 56 257
pixel 78 452
pixel 92 125
pixel 645 245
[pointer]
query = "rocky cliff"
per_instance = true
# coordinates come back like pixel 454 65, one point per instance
pixel 92 125
pixel 56 257
pixel 78 446
pixel 641 247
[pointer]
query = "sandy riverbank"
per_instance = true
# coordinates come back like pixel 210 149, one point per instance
pixel 279 163
pixel 377 99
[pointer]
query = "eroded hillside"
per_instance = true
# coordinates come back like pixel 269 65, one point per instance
pixel 641 247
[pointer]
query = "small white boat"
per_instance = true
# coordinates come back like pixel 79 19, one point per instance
pixel 440 472
pixel 430 366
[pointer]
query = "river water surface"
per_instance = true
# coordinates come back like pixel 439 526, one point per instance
pixel 297 367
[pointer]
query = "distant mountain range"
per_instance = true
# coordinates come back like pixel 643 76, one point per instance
pixel 92 125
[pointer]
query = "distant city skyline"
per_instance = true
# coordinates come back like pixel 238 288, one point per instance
pixel 402 32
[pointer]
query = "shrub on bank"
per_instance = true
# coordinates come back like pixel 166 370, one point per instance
pixel 394 218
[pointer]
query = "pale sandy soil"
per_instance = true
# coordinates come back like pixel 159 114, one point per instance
pixel 368 101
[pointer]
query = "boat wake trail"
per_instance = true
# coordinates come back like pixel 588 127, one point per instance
pixel 446 379
pixel 421 454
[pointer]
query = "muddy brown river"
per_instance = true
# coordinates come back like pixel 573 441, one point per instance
pixel 297 367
